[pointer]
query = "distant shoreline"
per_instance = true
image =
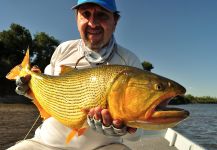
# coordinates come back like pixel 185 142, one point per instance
pixel 187 99
pixel 15 99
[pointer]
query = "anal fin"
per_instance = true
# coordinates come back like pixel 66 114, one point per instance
pixel 44 115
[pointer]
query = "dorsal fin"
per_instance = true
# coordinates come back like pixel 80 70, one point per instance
pixel 65 69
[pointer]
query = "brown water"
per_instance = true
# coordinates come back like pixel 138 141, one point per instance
pixel 201 127
pixel 15 122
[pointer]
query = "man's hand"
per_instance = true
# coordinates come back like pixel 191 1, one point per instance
pixel 22 83
pixel 101 121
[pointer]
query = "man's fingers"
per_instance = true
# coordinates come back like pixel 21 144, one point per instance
pixel 106 117
pixel 97 113
pixel 118 123
pixel 131 130
pixel 21 90
pixel 101 121
pixel 23 80
pixel 35 69
pixel 27 78
pixel 91 113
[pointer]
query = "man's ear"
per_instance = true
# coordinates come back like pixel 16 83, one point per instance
pixel 116 18
pixel 76 14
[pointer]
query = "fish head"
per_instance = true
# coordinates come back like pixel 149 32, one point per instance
pixel 140 99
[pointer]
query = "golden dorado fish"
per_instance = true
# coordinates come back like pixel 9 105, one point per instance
pixel 137 97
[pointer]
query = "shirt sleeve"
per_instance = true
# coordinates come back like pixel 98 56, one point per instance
pixel 48 70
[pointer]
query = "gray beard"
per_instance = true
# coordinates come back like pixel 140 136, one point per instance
pixel 98 56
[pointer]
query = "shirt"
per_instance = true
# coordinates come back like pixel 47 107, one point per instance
pixel 52 132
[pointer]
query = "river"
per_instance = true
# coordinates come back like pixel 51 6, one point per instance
pixel 201 126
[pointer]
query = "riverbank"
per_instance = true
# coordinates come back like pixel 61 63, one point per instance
pixel 16 120
pixel 187 99
pixel 190 99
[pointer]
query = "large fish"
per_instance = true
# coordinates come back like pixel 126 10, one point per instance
pixel 137 97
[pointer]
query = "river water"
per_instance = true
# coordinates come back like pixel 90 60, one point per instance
pixel 201 126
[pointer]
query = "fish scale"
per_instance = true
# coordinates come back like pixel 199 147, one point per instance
pixel 80 89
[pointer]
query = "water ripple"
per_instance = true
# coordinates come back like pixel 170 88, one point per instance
pixel 201 126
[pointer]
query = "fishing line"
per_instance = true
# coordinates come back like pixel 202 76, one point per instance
pixel 32 127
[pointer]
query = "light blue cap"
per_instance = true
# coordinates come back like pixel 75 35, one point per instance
pixel 107 4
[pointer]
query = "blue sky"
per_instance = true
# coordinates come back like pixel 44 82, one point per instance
pixel 179 37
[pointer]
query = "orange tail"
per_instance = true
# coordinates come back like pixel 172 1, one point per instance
pixel 21 69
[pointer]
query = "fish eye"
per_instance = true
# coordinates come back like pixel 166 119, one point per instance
pixel 158 87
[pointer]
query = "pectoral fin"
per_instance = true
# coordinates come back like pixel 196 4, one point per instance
pixel 72 134
pixel 65 69
pixel 81 131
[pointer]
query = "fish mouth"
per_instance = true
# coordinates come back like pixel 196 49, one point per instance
pixel 160 113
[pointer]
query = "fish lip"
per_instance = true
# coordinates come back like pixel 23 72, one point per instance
pixel 161 105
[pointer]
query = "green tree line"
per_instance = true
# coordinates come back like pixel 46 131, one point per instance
pixel 190 99
pixel 13 44
pixel 15 41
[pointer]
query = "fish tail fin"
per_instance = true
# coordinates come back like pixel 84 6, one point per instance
pixel 26 60
pixel 21 69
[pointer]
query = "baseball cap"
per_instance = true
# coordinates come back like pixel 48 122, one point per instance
pixel 109 5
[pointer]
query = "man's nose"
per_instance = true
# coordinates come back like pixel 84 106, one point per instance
pixel 93 21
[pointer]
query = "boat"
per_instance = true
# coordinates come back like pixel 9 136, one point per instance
pixel 181 142
pixel 168 139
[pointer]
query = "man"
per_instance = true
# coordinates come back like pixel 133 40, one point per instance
pixel 96 21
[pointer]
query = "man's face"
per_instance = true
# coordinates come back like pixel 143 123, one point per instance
pixel 95 25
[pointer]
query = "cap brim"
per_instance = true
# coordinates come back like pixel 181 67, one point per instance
pixel 76 6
